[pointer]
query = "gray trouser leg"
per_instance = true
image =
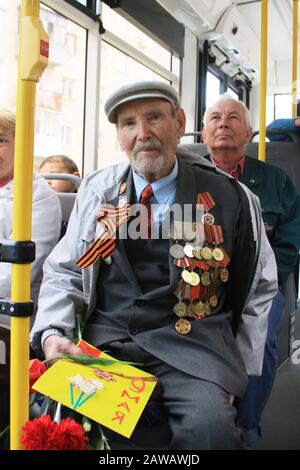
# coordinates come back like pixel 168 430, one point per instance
pixel 200 416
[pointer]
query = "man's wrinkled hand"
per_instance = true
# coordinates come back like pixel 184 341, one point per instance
pixel 55 346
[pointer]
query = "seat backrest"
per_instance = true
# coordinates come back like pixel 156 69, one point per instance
pixel 66 200
pixel 285 155
pixel 198 148
pixel 76 180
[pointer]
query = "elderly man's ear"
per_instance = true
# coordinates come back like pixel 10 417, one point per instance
pixel 249 135
pixel 181 121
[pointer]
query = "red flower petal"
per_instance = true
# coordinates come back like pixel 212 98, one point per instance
pixel 37 432
pixel 69 435
pixel 36 369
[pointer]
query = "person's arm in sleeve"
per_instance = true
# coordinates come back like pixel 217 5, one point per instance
pixel 252 330
pixel 61 295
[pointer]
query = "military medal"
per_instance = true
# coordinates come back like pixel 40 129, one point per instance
pixel 218 254
pixel 208 219
pixel 177 251
pixel 200 309
pixel 194 279
pixel 180 309
pixel 197 252
pixel 206 253
pixel 122 202
pixel 191 310
pixel 224 275
pixel 188 250
pixel 183 326
pixel 205 278
pixel 186 276
pixel 213 300
pixel 207 309
pixel 122 188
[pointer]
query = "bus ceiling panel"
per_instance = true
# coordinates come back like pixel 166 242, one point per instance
pixel 156 21
pixel 199 16
pixel 220 23
pixel 279 25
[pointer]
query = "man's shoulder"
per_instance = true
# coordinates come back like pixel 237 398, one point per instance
pixel 266 169
pixel 106 177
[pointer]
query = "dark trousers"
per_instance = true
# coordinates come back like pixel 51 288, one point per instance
pixel 199 413
pixel 251 406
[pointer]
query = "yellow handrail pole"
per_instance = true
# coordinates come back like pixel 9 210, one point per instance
pixel 295 57
pixel 32 61
pixel 263 80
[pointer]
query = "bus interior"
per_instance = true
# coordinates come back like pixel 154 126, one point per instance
pixel 204 48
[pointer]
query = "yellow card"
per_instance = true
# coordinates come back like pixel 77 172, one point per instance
pixel 113 395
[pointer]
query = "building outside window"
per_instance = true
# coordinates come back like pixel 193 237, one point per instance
pixel 56 100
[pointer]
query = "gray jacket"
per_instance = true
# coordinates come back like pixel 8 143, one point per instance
pixel 67 290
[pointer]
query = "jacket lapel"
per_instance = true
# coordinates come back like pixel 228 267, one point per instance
pixel 119 256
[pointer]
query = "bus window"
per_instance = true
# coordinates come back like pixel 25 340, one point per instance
pixel 60 93
pixel 212 89
pixel 283 105
pixel 127 55
pixel 232 93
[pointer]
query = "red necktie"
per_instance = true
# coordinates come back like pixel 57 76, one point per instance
pixel 146 195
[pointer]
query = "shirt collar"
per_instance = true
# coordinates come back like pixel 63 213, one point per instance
pixel 237 171
pixel 162 188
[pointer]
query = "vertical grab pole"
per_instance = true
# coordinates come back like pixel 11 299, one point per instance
pixel 263 80
pixel 33 59
pixel 295 57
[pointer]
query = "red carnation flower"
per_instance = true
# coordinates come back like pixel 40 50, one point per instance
pixel 37 432
pixel 69 435
pixel 36 369
pixel 44 434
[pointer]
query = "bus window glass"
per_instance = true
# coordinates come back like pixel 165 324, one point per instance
pixel 117 69
pixel 60 93
pixel 269 109
pixel 132 35
pixel 212 89
pixel 232 93
pixel 283 106
pixel 176 66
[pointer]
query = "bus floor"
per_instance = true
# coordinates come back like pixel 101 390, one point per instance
pixel 281 418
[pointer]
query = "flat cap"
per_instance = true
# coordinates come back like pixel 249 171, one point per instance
pixel 138 91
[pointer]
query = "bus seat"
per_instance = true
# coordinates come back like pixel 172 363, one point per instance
pixel 66 200
pixel 285 155
pixel 199 148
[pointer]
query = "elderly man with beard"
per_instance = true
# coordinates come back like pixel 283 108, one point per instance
pixel 190 306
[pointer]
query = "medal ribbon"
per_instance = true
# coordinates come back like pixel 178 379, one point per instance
pixel 206 200
pixel 213 234
pixel 111 218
